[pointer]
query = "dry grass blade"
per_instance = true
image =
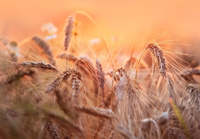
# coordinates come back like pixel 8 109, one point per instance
pixel 46 48
pixel 52 130
pixel 180 117
pixel 68 31
pixel 104 113
pixel 42 65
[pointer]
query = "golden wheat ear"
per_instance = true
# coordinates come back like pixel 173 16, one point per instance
pixel 194 92
pixel 68 31
pixel 158 53
pixel 64 76
pixel 86 67
pixel 19 74
pixel 46 48
pixel 40 65
pixel 101 76
pixel 52 130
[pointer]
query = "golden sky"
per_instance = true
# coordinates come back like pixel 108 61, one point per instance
pixel 127 19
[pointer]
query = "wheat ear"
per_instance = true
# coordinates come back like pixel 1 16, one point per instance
pixel 52 130
pixel 68 31
pixel 64 76
pixel 45 47
pixel 158 53
pixel 101 76
pixel 42 65
pixel 99 112
pixel 18 75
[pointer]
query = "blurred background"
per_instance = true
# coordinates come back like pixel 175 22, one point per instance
pixel 130 20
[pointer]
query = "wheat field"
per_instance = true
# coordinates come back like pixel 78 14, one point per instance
pixel 63 88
